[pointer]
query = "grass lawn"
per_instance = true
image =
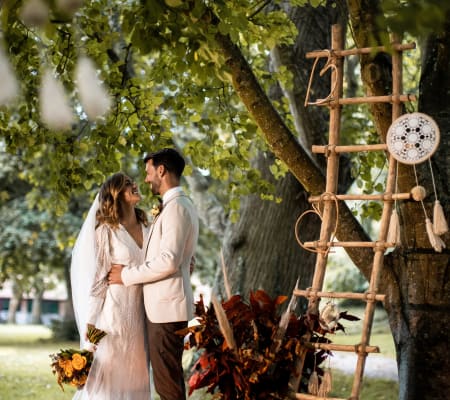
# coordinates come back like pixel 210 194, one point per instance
pixel 25 372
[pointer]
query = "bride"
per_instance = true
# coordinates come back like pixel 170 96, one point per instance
pixel 114 232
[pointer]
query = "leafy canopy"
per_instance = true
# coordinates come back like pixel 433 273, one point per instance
pixel 168 80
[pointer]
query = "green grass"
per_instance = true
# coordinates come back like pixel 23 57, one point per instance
pixel 25 372
pixel 380 335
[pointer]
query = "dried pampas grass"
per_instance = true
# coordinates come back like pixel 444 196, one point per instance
pixel 9 87
pixel 94 99
pixel 55 111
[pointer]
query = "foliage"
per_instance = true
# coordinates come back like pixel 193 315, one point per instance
pixel 64 330
pixel 263 362
pixel 343 276
pixel 169 84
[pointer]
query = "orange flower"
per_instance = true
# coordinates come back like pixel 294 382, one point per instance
pixel 68 368
pixel 78 361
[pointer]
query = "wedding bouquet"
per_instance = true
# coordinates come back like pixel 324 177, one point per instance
pixel 71 366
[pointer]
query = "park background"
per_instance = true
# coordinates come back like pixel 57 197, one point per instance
pixel 225 82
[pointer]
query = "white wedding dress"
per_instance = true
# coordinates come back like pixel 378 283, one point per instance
pixel 120 370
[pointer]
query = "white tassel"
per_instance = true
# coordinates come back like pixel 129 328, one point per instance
pixel 94 98
pixel 313 384
pixel 9 87
pixel 440 225
pixel 393 235
pixel 326 385
pixel 68 7
pixel 34 13
pixel 435 240
pixel 54 105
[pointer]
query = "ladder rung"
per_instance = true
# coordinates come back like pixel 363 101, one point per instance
pixel 304 396
pixel 357 348
pixel 326 149
pixel 361 50
pixel 380 197
pixel 308 293
pixel 319 244
pixel 391 98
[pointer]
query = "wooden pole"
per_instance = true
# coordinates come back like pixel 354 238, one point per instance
pixel 384 226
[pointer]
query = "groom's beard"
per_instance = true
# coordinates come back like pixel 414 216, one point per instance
pixel 154 189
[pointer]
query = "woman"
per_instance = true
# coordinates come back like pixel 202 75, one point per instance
pixel 114 232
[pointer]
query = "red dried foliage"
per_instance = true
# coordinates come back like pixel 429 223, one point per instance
pixel 253 370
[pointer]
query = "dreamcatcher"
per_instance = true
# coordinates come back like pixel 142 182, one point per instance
pixel 412 139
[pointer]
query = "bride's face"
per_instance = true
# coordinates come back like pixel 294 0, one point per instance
pixel 130 193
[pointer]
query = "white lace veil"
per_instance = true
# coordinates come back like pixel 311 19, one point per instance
pixel 82 270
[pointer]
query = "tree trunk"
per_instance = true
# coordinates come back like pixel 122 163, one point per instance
pixel 36 309
pixel 416 278
pixel 272 238
pixel 260 250
pixel 14 303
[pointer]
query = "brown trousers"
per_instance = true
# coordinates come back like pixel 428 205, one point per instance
pixel 166 353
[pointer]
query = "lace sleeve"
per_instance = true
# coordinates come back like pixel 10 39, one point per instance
pixel 103 265
pixel 103 261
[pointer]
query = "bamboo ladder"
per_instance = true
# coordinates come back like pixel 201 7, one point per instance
pixel 330 199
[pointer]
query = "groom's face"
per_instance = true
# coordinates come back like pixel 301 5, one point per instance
pixel 153 177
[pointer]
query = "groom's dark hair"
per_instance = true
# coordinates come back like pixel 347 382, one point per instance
pixel 172 160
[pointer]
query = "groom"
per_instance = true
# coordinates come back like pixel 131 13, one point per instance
pixel 165 273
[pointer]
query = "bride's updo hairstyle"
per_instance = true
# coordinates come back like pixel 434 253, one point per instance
pixel 110 197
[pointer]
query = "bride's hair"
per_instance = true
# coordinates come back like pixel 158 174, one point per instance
pixel 110 199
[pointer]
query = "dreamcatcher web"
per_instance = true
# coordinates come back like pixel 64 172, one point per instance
pixel 413 138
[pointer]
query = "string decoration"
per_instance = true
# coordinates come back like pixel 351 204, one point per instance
pixel 55 109
pixel 313 383
pixel 9 88
pixel 316 210
pixel 412 139
pixel 94 98
pixel 440 225
pixel 326 384
pixel 34 13
pixel 330 64
pixel 393 235
pixel 52 96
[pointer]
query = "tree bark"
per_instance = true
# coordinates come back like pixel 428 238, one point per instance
pixel 416 278
pixel 260 250
pixel 14 303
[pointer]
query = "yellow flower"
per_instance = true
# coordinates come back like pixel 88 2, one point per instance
pixel 68 368
pixel 156 209
pixel 78 361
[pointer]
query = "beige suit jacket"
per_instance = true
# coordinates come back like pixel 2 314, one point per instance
pixel 165 273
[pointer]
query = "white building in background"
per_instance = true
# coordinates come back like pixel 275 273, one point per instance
pixel 54 304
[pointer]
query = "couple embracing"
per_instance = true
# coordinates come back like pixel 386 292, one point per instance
pixel 131 278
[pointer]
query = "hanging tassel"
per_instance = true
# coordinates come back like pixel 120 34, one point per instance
pixel 325 386
pixel 439 222
pixel 54 104
pixel 435 240
pixel 34 13
pixel 313 384
pixel 9 87
pixel 94 98
pixel 393 235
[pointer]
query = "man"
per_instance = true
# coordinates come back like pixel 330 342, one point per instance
pixel 168 296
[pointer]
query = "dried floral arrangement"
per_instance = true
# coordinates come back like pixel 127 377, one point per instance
pixel 251 350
